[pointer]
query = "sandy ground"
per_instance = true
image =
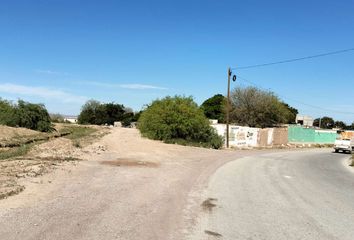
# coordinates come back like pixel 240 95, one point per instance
pixel 17 172
pixel 134 188
pixel 10 132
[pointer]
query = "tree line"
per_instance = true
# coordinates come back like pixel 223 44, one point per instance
pixel 175 119
pixel 95 112
pixel 253 107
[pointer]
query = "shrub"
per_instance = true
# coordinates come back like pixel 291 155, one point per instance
pixel 33 116
pixel 24 114
pixel 178 120
pixel 7 113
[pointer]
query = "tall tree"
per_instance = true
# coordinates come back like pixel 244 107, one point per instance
pixel 214 107
pixel 257 108
pixel 326 122
pixel 340 125
pixel 94 112
pixel 292 113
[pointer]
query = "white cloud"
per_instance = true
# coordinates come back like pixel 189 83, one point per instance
pixel 141 86
pixel 136 86
pixel 42 92
pixel 51 72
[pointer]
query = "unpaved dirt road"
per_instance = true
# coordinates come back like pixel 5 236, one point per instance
pixel 137 189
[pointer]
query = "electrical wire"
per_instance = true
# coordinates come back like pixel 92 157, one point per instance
pixel 305 104
pixel 294 59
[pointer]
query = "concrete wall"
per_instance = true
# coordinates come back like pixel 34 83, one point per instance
pixel 267 137
pixel 263 139
pixel 280 136
pixel 239 136
pixel 243 136
pixel 347 135
pixel 299 134
pixel 253 137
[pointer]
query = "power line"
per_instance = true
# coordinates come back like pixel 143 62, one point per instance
pixel 294 59
pixel 306 104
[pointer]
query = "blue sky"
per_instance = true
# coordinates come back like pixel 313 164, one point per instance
pixel 62 53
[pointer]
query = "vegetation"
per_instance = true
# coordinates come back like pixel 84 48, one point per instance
pixel 340 125
pixel 24 114
pixel 95 112
pixel 293 113
pixel 178 120
pixel 20 145
pixel 57 118
pixel 77 132
pixel 326 122
pixel 214 107
pixel 329 123
pixel 258 108
pixel 16 151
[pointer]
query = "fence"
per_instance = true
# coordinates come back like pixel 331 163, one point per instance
pixel 252 137
pixel 267 137
pixel 299 134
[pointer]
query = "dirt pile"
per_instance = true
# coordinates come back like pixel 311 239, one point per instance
pixel 42 158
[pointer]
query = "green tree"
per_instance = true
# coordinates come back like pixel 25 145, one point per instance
pixel 33 116
pixel 94 112
pixel 7 113
pixel 291 118
pixel 351 127
pixel 89 112
pixel 178 120
pixel 340 125
pixel 214 107
pixel 24 114
pixel 114 112
pixel 326 122
pixel 257 108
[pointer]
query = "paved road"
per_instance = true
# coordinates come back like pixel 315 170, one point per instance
pixel 295 195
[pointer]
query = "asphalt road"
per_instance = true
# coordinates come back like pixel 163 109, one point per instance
pixel 288 195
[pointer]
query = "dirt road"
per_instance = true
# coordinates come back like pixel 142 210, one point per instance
pixel 137 189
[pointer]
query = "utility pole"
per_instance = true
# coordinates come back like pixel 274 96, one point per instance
pixel 228 107
pixel 319 124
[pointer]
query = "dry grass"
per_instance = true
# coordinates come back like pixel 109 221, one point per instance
pixel 16 137
pixel 15 151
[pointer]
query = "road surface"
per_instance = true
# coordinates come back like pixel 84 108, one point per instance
pixel 138 189
pixel 294 195
pixel 141 189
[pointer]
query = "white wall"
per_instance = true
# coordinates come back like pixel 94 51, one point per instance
pixel 239 136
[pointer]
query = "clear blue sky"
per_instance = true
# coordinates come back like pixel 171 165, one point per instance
pixel 62 53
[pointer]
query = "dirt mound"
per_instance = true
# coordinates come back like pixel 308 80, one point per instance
pixel 10 133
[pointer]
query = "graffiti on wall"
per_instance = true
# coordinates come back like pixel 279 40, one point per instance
pixel 243 136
